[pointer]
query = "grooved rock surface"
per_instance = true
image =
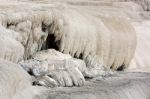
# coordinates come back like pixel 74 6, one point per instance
pixel 121 85
pixel 118 86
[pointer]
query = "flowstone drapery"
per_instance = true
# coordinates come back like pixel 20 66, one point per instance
pixel 48 46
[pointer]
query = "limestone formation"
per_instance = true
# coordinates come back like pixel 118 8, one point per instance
pixel 49 45
pixel 50 28
pixel 52 68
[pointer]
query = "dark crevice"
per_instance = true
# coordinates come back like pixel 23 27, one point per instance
pixel 50 42
pixel 121 68
pixel 10 24
pixel 44 28
pixel 79 57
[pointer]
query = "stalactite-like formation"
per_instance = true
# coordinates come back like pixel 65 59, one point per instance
pixel 90 38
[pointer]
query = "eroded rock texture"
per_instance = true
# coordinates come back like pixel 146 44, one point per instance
pixel 77 44
pixel 118 86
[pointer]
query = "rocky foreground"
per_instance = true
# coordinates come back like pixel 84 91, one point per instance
pixel 120 85
pixel 38 61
